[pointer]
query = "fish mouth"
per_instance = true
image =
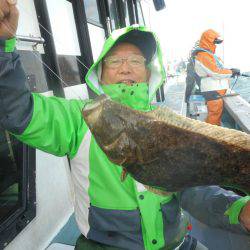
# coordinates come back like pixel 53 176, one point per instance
pixel 92 105
pixel 92 110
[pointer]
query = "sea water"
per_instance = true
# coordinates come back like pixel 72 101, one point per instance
pixel 242 86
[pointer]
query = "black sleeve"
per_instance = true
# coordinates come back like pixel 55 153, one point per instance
pixel 208 204
pixel 16 103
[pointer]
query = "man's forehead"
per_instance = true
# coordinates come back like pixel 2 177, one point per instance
pixel 124 47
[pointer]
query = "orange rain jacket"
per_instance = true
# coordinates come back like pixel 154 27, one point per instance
pixel 213 76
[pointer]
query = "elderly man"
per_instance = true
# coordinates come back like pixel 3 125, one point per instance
pixel 110 214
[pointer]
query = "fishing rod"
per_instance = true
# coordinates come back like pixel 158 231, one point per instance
pixel 236 80
pixel 245 75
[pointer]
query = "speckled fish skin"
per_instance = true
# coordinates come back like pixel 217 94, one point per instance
pixel 164 150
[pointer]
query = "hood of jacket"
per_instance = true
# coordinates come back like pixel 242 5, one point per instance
pixel 207 40
pixel 157 77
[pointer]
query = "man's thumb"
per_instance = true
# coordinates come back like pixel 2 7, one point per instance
pixel 13 16
pixel 12 2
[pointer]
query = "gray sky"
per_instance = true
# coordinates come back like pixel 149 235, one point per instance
pixel 183 21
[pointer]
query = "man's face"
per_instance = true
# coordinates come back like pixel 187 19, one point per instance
pixel 129 71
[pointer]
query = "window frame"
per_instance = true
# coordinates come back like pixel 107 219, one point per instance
pixel 49 57
pixel 137 11
pixel 22 216
pixel 133 12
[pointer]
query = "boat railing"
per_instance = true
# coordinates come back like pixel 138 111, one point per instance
pixel 239 110
pixel 237 107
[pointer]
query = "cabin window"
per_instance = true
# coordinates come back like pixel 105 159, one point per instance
pixel 34 70
pixel 69 70
pixel 96 30
pixel 113 14
pixel 92 12
pixel 10 185
pixel 17 188
pixel 66 43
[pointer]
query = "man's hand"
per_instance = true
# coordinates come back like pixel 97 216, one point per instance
pixel 244 216
pixel 235 72
pixel 8 18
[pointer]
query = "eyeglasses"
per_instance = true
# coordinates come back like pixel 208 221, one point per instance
pixel 116 61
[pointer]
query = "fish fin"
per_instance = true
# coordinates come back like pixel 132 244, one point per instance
pixel 124 175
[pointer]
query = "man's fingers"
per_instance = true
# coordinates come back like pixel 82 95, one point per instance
pixel 13 16
pixel 4 7
pixel 1 15
pixel 8 18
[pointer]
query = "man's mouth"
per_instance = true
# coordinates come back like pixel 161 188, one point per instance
pixel 127 81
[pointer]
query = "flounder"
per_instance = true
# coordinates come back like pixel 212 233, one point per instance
pixel 166 151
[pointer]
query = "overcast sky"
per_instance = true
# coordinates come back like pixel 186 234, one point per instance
pixel 183 21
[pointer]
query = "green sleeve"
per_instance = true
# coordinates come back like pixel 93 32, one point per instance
pixel 234 210
pixel 56 126
pixel 7 45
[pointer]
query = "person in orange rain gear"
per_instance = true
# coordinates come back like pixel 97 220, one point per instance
pixel 214 77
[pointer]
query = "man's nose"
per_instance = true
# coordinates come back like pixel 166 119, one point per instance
pixel 125 67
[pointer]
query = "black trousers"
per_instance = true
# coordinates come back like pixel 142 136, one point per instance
pixel 211 95
pixel 86 244
pixel 83 243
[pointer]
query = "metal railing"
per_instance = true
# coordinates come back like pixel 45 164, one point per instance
pixel 30 39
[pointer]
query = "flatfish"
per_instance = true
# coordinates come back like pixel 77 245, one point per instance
pixel 167 151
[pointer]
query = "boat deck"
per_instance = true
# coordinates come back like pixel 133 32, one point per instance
pixel 239 110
